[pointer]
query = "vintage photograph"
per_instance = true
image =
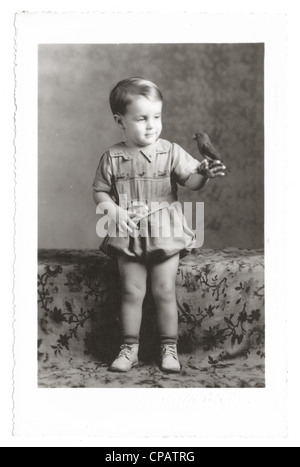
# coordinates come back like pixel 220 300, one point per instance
pixel 151 215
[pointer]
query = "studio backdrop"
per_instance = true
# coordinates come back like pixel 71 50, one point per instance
pixel 218 88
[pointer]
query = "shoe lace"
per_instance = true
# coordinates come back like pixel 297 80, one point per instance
pixel 126 351
pixel 169 350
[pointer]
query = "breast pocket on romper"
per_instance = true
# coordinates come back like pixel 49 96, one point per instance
pixel 163 173
pixel 122 176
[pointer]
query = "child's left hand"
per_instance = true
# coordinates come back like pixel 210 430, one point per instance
pixel 211 169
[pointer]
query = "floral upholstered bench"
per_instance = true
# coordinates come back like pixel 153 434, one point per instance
pixel 220 299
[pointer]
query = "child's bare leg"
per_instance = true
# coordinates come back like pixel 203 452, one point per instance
pixel 163 280
pixel 163 284
pixel 134 284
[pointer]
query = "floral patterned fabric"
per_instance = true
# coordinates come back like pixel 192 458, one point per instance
pixel 220 299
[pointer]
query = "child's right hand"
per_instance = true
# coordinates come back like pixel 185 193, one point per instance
pixel 125 222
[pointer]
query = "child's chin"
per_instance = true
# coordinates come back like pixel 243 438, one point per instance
pixel 150 139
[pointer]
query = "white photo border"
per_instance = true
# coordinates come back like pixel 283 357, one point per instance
pixel 194 413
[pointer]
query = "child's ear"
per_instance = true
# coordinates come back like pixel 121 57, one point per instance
pixel 119 121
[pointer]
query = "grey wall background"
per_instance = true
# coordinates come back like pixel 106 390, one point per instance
pixel 216 87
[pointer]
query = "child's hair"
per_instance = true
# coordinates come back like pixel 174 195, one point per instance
pixel 122 94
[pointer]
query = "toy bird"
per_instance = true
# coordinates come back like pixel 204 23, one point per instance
pixel 206 148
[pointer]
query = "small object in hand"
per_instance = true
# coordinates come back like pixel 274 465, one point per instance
pixel 206 148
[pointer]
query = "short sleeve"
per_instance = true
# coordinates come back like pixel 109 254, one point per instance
pixel 182 164
pixel 102 180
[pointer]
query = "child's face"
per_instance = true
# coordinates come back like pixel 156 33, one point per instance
pixel 142 122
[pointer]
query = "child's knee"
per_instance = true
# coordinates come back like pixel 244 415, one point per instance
pixel 163 290
pixel 134 289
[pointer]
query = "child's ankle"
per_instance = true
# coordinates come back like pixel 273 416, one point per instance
pixel 131 340
pixel 168 340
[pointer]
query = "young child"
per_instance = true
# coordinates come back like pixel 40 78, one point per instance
pixel 132 180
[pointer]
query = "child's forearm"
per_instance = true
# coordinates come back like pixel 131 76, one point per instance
pixel 196 182
pixel 108 203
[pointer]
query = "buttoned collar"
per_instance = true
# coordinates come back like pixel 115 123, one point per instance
pixel 121 150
